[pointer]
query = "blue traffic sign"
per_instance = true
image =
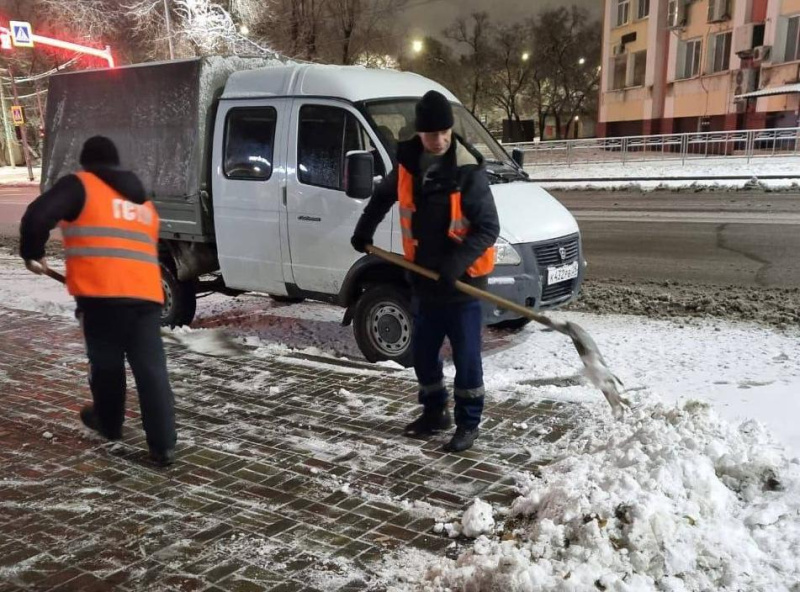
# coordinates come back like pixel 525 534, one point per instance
pixel 21 33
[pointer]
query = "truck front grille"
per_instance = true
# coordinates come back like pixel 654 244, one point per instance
pixel 550 254
pixel 556 292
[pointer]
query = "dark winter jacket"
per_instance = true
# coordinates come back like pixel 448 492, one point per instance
pixel 460 168
pixel 65 201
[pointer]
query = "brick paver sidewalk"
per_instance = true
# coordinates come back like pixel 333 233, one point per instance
pixel 292 473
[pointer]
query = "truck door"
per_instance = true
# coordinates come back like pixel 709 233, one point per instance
pixel 321 218
pixel 248 181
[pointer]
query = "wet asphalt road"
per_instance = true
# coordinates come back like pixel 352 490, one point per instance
pixel 719 238
pixel 715 238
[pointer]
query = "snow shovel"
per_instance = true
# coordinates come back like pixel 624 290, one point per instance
pixel 597 371
pixel 210 342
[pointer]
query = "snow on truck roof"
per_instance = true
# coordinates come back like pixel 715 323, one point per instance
pixel 353 83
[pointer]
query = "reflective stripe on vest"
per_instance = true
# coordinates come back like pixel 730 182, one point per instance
pixel 112 246
pixel 459 225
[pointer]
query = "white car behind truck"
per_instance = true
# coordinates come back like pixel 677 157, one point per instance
pixel 246 161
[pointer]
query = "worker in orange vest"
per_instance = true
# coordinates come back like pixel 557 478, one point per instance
pixel 110 234
pixel 449 224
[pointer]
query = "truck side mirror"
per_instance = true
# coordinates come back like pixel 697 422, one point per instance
pixel 518 156
pixel 359 170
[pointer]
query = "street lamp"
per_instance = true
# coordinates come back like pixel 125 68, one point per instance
pixel 417 46
pixel 582 61
pixel 526 56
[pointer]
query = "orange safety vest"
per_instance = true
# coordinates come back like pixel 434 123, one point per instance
pixel 112 246
pixel 459 225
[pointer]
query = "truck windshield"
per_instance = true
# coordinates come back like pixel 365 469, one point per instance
pixel 394 122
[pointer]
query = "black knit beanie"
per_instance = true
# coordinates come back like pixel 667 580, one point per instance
pixel 99 151
pixel 434 113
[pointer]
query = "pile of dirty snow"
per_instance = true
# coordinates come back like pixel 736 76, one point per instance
pixel 670 498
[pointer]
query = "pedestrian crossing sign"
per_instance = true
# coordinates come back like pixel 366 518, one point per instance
pixel 17 115
pixel 21 34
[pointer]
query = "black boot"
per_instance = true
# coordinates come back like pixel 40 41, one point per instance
pixel 91 421
pixel 462 440
pixel 432 420
pixel 163 459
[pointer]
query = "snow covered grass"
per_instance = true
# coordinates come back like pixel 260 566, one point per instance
pixel 672 498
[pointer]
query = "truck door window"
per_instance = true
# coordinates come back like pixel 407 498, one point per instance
pixel 325 135
pixel 249 139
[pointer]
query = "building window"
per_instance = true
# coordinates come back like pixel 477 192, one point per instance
pixel 619 72
pixel 643 9
pixel 639 68
pixel 688 59
pixel 249 137
pixel 792 39
pixel 720 52
pixel 718 10
pixel 623 12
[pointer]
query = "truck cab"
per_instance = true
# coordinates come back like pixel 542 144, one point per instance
pixel 283 220
pixel 247 163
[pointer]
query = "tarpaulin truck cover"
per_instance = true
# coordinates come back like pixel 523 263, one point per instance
pixel 160 116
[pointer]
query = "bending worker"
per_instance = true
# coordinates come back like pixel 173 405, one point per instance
pixel 449 223
pixel 110 233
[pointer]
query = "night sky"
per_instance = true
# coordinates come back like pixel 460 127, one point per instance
pixel 430 18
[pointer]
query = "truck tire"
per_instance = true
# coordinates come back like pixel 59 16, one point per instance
pixel 180 302
pixel 383 325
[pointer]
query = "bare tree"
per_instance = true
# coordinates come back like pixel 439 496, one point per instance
pixel 354 27
pixel 193 27
pixel 438 63
pixel 293 27
pixel 567 50
pixel 511 68
pixel 475 33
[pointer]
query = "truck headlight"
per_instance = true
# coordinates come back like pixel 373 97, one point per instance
pixel 505 254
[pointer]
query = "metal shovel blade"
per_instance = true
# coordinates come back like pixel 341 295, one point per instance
pixel 597 371
pixel 209 342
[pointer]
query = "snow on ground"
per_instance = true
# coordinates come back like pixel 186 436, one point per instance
pixel 686 492
pixel 672 499
pixel 691 169
pixel 745 370
pixel 19 175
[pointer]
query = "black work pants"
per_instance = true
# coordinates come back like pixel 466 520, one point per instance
pixel 461 323
pixel 114 332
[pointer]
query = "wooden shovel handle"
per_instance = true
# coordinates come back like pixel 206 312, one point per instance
pixel 465 288
pixel 55 275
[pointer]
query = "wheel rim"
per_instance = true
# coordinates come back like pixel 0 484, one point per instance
pixel 389 329
pixel 169 299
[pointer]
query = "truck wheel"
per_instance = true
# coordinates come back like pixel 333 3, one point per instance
pixel 383 325
pixel 180 303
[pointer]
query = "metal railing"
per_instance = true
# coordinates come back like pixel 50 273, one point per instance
pixel 746 144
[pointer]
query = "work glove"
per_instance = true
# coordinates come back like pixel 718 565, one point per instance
pixel 360 243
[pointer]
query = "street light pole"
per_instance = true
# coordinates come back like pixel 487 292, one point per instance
pixel 169 30
pixel 22 127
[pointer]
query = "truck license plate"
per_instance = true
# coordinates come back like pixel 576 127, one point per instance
pixel 556 275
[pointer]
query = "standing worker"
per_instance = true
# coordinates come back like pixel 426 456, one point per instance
pixel 449 224
pixel 110 233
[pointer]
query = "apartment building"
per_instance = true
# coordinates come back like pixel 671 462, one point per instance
pixel 699 65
